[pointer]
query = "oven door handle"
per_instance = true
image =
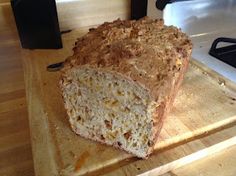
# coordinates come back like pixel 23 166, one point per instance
pixel 160 4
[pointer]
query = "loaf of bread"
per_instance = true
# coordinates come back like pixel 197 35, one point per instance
pixel 121 81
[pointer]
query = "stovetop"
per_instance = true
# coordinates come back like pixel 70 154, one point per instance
pixel 201 53
pixel 204 21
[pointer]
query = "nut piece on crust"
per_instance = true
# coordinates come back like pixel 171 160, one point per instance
pixel 121 82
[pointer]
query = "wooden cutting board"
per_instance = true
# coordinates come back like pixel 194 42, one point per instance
pixel 203 120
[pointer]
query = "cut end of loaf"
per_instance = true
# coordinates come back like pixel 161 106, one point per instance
pixel 108 108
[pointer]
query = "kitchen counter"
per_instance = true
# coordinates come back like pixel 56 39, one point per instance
pixel 15 146
pixel 200 131
pixel 15 151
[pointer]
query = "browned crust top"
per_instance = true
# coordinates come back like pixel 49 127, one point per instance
pixel 145 50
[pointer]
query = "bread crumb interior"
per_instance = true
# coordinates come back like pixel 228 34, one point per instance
pixel 105 107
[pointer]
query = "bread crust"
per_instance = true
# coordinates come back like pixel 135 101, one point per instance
pixel 145 51
pixel 163 110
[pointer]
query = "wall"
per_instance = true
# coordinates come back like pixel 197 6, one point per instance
pixel 72 14
pixel 80 13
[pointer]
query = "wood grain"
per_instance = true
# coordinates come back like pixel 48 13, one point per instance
pixel 202 107
pixel 8 29
pixel 71 14
pixel 181 155
pixel 221 163
pixel 13 115
pixel 15 148
pixel 4 1
pixel 77 14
